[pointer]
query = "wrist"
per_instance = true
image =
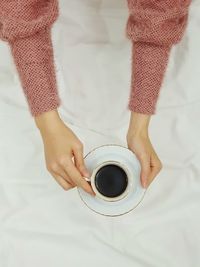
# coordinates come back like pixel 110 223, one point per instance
pixel 139 123
pixel 47 121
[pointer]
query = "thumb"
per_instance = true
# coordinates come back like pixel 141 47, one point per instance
pixel 79 162
pixel 145 169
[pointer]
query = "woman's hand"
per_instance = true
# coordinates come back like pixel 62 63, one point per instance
pixel 138 141
pixel 63 152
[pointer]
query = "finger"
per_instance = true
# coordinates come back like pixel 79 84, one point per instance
pixel 145 168
pixel 66 177
pixel 61 172
pixel 79 161
pixel 155 169
pixel 63 183
pixel 152 176
pixel 76 177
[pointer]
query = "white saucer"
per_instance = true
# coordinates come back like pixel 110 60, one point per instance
pixel 132 199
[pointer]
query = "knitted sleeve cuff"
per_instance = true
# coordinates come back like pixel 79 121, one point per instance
pixel 149 62
pixel 34 60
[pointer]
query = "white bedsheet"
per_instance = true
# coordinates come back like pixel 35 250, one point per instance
pixel 43 225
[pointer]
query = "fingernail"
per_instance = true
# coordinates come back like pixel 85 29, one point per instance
pixel 92 193
pixel 144 183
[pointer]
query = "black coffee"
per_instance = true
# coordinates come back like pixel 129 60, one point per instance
pixel 111 180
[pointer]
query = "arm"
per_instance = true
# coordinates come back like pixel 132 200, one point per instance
pixel 26 26
pixel 153 27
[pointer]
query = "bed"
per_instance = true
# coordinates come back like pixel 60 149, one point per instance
pixel 43 225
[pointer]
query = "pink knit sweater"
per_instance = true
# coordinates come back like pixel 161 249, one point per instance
pixel 153 26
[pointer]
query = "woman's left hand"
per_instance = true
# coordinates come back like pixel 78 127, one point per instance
pixel 138 141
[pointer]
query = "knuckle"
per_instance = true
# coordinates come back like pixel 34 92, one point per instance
pixel 66 166
pixel 53 166
pixel 62 160
pixel 74 180
pixel 66 178
pixel 65 187
pixel 74 183
pixel 78 145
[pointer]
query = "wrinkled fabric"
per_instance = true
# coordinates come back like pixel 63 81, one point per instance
pixel 43 225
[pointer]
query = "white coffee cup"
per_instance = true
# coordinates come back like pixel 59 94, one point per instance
pixel 93 176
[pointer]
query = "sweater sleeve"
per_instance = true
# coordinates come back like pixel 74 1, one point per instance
pixel 26 26
pixel 153 27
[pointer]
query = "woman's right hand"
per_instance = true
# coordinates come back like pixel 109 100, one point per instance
pixel 63 152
